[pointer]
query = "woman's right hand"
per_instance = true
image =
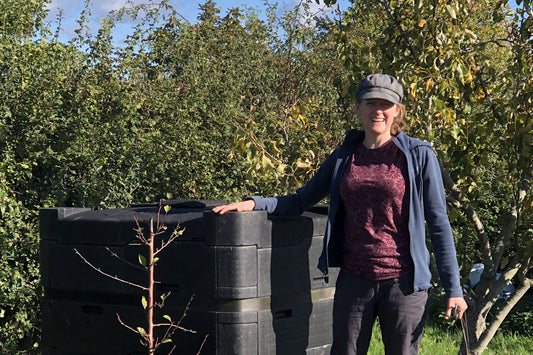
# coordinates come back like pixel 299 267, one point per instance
pixel 242 206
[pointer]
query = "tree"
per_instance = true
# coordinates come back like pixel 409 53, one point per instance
pixel 34 77
pixel 151 338
pixel 466 68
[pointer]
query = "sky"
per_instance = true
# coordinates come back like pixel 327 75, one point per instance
pixel 189 9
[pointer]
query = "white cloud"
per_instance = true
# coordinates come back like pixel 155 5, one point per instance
pixel 55 5
pixel 71 12
pixel 314 9
pixel 106 6
pixel 99 8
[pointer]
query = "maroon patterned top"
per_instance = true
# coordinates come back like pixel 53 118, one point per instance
pixel 375 194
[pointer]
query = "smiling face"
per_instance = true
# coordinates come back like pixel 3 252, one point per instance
pixel 377 116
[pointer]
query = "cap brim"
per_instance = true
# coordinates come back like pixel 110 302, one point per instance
pixel 380 95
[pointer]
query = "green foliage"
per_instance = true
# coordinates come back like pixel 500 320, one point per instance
pixel 23 20
pixel 19 269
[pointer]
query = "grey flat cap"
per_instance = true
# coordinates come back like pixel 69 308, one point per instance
pixel 380 86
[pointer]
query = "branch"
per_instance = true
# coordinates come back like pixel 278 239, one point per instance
pixel 459 200
pixel 139 232
pixel 172 327
pixel 408 43
pixel 175 326
pixel 494 287
pixel 125 325
pixel 109 275
pixel 173 237
pixel 201 346
pixel 187 307
pixel 523 190
pixel 159 4
pixel 488 334
pixel 500 42
pixel 113 254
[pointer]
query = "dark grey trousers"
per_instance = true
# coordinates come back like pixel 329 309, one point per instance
pixel 357 304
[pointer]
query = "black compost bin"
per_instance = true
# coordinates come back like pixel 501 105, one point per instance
pixel 249 279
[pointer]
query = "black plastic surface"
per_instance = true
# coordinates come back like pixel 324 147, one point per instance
pixel 253 277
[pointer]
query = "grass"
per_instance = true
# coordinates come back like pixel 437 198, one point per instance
pixel 441 341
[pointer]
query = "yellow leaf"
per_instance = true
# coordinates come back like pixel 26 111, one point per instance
pixel 266 162
pixel 429 85
pixel 142 332
pixel 422 23
pixel 275 148
pixel 144 302
pixel 468 77
pixel 412 92
pixel 303 164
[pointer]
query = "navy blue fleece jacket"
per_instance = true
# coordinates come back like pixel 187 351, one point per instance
pixel 427 205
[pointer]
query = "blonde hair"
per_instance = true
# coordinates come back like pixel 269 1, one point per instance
pixel 398 124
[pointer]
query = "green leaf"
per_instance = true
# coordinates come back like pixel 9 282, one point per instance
pixel 144 302
pixel 142 260
pixel 167 317
pixel 166 208
pixel 142 332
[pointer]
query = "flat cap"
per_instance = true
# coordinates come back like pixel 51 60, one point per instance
pixel 380 86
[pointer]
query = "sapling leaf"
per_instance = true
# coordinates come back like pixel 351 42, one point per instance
pixel 142 260
pixel 142 332
pixel 144 302
pixel 167 208
pixel 167 317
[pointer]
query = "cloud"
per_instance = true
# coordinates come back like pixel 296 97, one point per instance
pixel 99 8
pixel 55 5
pixel 71 12
pixel 314 9
pixel 106 6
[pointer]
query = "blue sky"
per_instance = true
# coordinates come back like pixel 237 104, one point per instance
pixel 187 8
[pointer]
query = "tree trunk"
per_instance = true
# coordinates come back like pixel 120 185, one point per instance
pixel 478 333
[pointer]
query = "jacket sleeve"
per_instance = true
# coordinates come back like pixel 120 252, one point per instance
pixel 440 230
pixel 305 197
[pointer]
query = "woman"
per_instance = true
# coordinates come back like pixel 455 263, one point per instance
pixel 384 187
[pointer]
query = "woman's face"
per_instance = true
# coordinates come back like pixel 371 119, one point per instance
pixel 377 116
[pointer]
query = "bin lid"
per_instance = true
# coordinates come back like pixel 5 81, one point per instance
pixel 117 226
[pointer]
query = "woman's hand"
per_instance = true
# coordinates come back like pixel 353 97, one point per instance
pixel 458 302
pixel 243 206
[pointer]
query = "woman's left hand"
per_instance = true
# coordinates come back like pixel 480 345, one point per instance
pixel 458 302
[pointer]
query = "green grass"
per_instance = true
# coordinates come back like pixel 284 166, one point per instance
pixel 437 341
